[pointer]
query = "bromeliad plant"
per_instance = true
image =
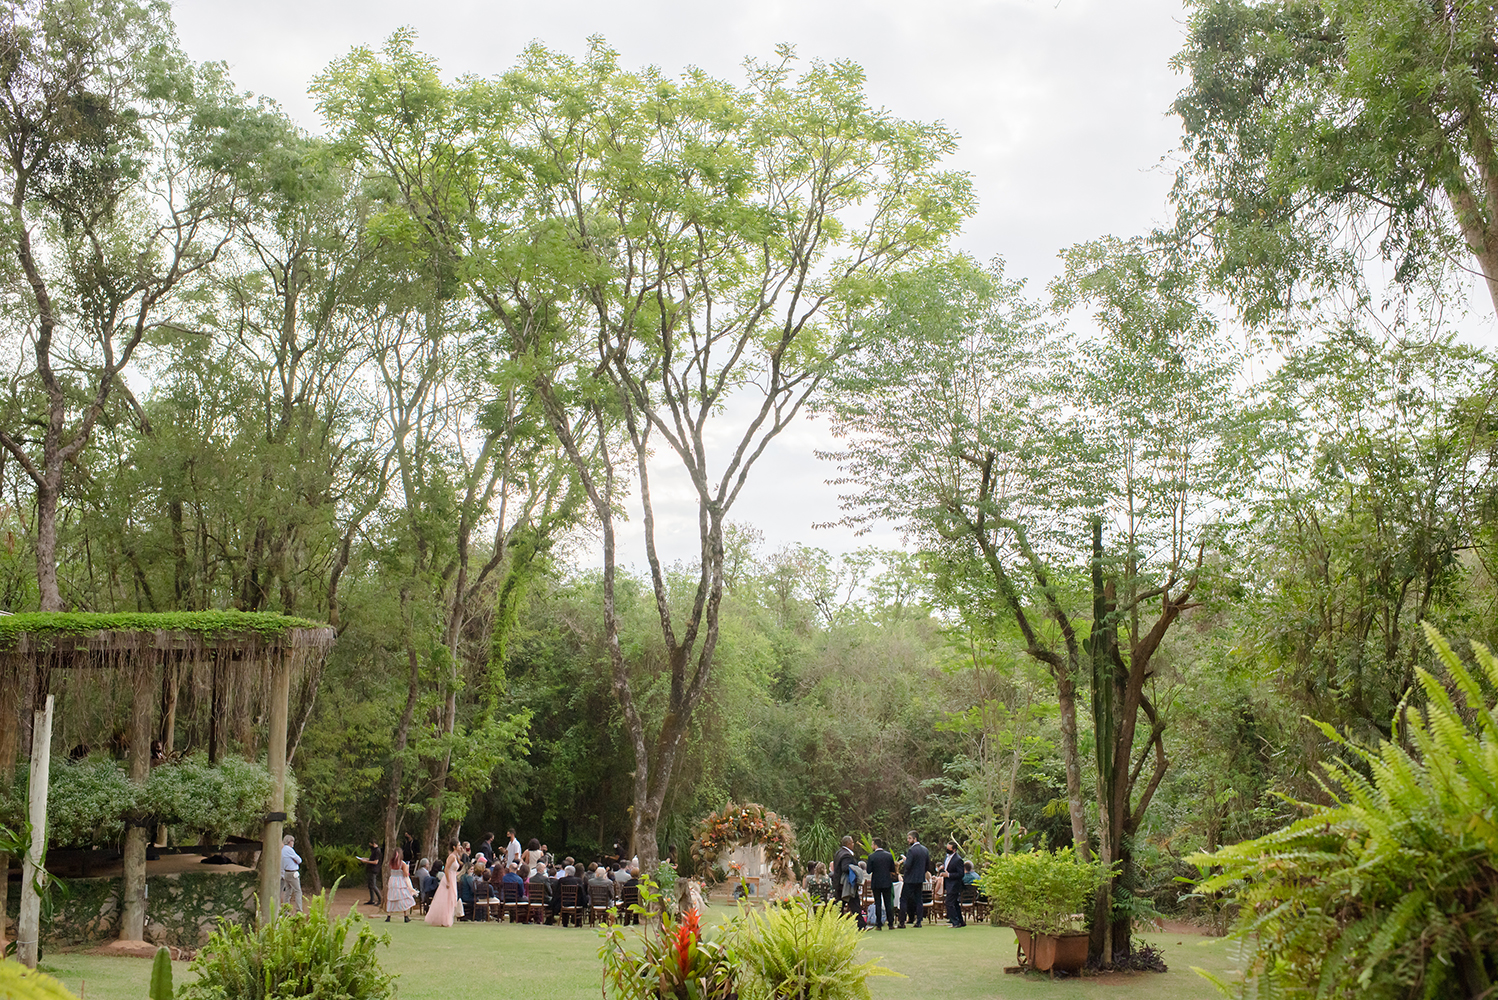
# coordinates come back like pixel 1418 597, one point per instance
pixel 674 961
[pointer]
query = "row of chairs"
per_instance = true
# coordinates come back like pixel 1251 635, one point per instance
pixel 595 905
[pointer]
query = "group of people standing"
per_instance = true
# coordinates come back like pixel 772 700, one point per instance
pixel 882 870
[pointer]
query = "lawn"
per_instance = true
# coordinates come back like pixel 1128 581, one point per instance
pixel 524 962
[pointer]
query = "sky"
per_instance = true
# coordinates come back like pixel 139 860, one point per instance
pixel 1061 105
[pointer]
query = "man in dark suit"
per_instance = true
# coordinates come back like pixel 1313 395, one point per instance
pixel 843 860
pixel 913 878
pixel 580 885
pixel 882 881
pixel 952 886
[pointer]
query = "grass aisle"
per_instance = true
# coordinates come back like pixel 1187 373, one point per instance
pixel 510 962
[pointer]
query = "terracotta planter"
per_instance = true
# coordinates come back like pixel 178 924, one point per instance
pixel 1052 952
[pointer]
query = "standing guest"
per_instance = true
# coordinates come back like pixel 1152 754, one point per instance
pixel 512 849
pixel 445 900
pixel 372 872
pixel 913 878
pixel 291 872
pixel 532 855
pixel 882 880
pixel 399 896
pixel 487 849
pixel 551 862
pixel 408 846
pixel 466 854
pixel 952 881
pixel 847 884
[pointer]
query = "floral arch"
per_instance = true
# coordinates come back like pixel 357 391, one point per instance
pixel 749 823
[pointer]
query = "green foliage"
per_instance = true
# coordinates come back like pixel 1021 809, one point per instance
pixel 90 800
pixel 800 951
pixel 334 863
pixel 41 626
pixel 1043 891
pixel 161 974
pixel 1390 890
pixel 674 960
pixel 296 955
pixel 20 983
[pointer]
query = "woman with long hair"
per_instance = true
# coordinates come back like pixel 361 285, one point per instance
pixel 399 895
pixel 445 900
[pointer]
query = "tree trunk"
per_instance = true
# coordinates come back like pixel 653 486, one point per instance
pixel 309 850
pixel 47 495
pixel 397 756
pixel 133 905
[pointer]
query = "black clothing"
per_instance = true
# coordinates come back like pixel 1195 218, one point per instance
pixel 913 876
pixel 912 901
pixel 954 870
pixel 881 869
pixel 372 875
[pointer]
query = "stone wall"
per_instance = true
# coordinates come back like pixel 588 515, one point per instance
pixel 181 909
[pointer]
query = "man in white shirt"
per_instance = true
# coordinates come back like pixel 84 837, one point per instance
pixel 512 849
pixel 291 873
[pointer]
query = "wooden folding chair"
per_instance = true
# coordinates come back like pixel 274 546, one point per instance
pixel 969 902
pixel 510 901
pixel 629 897
pixel 600 905
pixel 571 906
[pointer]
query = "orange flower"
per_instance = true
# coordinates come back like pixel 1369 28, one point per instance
pixel 686 933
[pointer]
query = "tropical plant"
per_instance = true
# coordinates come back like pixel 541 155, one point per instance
pixel 1391 888
pixel 1042 891
pixel 161 975
pixel 800 951
pixel 296 955
pixel 674 959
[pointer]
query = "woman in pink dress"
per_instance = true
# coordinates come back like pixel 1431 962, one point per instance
pixel 445 899
pixel 399 894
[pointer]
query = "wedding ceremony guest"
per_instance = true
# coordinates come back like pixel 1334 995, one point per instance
pixel 373 870
pixel 913 879
pixel 952 881
pixel 881 867
pixel 512 849
pixel 291 872
pixel 399 895
pixel 571 878
pixel 443 908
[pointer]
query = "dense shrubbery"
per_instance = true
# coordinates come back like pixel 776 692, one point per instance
pixel 88 800
pixel 297 955
pixel 803 951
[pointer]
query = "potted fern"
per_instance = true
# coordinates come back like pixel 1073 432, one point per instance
pixel 1043 896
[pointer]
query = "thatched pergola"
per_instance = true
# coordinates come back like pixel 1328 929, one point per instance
pixel 237 666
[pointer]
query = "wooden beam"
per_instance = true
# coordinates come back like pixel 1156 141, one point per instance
pixel 29 927
pixel 270 851
pixel 142 701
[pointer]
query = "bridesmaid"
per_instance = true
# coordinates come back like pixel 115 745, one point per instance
pixel 399 897
pixel 445 900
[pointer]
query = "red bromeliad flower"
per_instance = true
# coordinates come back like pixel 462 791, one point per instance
pixel 686 933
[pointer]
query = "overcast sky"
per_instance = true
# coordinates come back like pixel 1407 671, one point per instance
pixel 1060 104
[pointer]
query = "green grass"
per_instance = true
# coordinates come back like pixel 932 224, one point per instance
pixel 524 962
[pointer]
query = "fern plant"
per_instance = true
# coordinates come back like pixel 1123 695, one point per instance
pixel 297 955
pixel 1391 889
pixel 801 952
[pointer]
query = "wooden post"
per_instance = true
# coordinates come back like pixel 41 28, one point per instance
pixel 171 675
pixel 29 927
pixel 270 852
pixel 133 906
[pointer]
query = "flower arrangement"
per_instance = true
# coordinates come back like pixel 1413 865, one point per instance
pixel 749 823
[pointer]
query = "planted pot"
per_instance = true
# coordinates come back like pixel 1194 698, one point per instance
pixel 1053 952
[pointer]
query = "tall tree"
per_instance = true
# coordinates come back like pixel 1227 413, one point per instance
pixel 1321 135
pixel 121 187
pixel 673 262
pixel 1005 443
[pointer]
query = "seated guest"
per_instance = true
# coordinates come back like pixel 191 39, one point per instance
pixel 540 891
pixel 483 890
pixel 968 875
pixel 429 884
pixel 607 888
pixel 571 878
pixel 621 875
pixel 513 877
pixel 466 882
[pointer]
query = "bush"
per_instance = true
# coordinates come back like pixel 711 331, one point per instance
pixel 89 800
pixel 1042 891
pixel 1391 889
pixel 675 960
pixel 298 955
pixel 801 952
pixel 335 862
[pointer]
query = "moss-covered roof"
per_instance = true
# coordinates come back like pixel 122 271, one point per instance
pixel 43 629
